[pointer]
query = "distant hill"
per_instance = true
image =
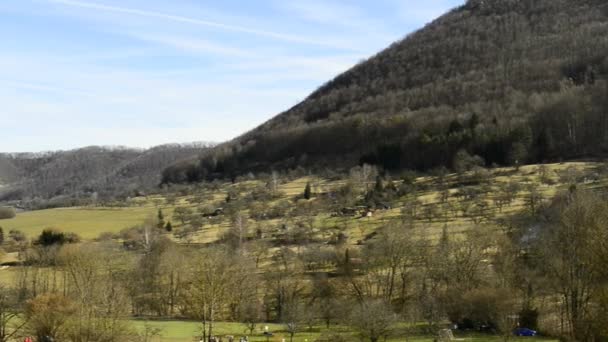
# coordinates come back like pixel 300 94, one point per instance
pixel 511 81
pixel 101 172
pixel 8 172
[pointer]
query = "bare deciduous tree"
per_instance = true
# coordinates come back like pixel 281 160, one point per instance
pixel 572 250
pixel 373 319
pixel 212 274
pixel 11 318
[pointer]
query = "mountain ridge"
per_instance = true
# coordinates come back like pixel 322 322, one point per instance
pixel 75 176
pixel 483 78
pixel 509 82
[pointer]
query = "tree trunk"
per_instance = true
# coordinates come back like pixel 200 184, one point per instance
pixel 210 323
pixel 204 330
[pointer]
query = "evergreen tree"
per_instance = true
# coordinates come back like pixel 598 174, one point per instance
pixel 473 122
pixel 169 226
pixel 161 219
pixel 379 186
pixel 348 268
pixel 307 191
pixel 444 242
pixel 1 236
pixel 518 154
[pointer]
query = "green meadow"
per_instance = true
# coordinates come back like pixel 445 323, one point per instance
pixel 188 331
pixel 86 222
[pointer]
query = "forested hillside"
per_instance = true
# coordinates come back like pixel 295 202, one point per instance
pixel 512 82
pixel 87 174
pixel 8 171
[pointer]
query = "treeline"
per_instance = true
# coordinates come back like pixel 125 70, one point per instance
pixel 485 77
pixel 569 124
pixel 85 175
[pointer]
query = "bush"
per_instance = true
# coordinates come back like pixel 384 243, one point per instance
pixel 7 213
pixel 17 236
pixel 51 237
pixel 528 318
pixel 463 161
pixel 279 210
pixel 483 308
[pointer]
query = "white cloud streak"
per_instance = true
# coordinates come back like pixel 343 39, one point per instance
pixel 331 13
pixel 174 77
pixel 194 45
pixel 193 21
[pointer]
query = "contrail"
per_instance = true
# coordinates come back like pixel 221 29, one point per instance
pixel 193 21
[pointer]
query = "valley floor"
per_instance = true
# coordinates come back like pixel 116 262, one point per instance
pixel 187 331
pixel 274 219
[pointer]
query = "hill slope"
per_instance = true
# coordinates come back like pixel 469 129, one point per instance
pixel 80 173
pixel 8 172
pixel 510 81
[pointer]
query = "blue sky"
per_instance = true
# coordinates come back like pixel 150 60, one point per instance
pixel 140 73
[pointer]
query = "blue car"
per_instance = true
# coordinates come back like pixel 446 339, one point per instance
pixel 525 332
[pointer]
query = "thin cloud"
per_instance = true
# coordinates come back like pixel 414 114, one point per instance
pixel 351 18
pixel 193 21
pixel 192 45
pixel 334 13
pixel 326 13
pixel 44 88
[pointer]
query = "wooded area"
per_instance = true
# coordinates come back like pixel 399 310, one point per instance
pixel 506 257
pixel 512 82
pixel 85 176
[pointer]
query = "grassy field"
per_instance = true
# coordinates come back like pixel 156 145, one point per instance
pixel 180 331
pixel 7 276
pixel 86 222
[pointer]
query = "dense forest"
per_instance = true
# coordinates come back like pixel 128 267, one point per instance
pixel 510 82
pixel 80 176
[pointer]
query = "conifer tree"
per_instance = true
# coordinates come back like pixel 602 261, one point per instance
pixel 379 186
pixel 161 219
pixel 307 191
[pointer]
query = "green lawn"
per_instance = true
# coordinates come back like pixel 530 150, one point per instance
pixel 86 222
pixel 185 331
pixel 178 331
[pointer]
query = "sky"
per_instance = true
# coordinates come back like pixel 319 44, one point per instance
pixel 141 73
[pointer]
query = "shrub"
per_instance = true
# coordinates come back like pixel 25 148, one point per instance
pixel 17 236
pixel 51 237
pixel 486 307
pixel 528 318
pixel 7 213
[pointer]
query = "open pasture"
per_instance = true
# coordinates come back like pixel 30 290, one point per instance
pixel 88 223
pixel 188 331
